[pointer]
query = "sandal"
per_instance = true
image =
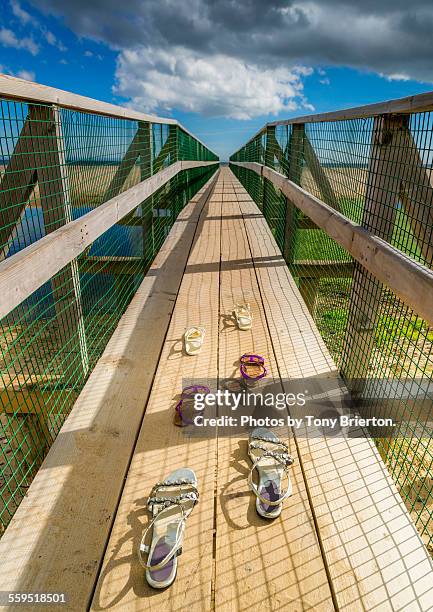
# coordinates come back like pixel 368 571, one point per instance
pixel 193 339
pixel 252 367
pixel 186 404
pixel 243 316
pixel 170 502
pixel 271 460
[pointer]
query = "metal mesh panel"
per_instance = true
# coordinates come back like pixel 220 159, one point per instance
pixel 376 171
pixel 55 166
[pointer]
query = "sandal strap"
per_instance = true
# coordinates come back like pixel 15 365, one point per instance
pixel 176 549
pixel 269 439
pixel 282 456
pixel 254 488
pixel 166 502
pixel 247 376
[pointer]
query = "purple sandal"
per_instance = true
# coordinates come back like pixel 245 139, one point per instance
pixel 188 393
pixel 252 367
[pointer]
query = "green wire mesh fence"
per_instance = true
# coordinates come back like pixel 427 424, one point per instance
pixel 377 172
pixel 55 166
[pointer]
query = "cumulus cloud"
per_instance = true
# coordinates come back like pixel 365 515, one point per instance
pixel 391 38
pixel 9 39
pixel 215 85
pixel 28 75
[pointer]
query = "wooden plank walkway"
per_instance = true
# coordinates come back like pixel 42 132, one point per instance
pixel 344 539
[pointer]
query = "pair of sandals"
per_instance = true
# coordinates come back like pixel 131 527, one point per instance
pixel 194 336
pixel 172 501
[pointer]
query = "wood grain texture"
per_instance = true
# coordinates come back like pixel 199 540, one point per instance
pixel 260 564
pixel 57 537
pixel 373 553
pixel 162 447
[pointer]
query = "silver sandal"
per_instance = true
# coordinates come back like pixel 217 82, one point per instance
pixel 270 458
pixel 171 502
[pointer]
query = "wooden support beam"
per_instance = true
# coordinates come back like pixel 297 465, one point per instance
pixel 17 182
pixel 410 281
pixel 416 193
pixel 306 223
pixel 319 176
pixel 128 161
pixel 312 161
pixel 383 186
pixel 168 149
pixel 98 264
pixel 269 161
pixel 296 156
pixel 146 168
pixel 54 190
pixel 308 288
pixel 321 269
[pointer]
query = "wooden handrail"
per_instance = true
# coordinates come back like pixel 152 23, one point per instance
pixel 409 280
pixel 26 271
pixel 13 88
pixel 419 103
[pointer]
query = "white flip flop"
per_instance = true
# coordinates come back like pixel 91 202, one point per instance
pixel 193 339
pixel 270 458
pixel 171 502
pixel 243 316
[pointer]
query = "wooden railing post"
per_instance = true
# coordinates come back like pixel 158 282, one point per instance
pixel 54 191
pixel 146 167
pixel 383 187
pixel 269 161
pixel 296 155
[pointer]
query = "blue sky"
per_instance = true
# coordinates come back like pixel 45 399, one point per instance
pixel 219 86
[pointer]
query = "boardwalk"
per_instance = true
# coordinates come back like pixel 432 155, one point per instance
pixel 340 536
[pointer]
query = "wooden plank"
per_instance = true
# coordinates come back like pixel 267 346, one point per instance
pixel 49 157
pixel 410 281
pixel 374 555
pixel 27 270
pixel 266 565
pixel 161 448
pixel 58 534
pixel 17 182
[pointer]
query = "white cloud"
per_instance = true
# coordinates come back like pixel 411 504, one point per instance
pixel 325 81
pixel 20 13
pixel 53 40
pixel 8 39
pixel 396 76
pixel 28 75
pixel 157 79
